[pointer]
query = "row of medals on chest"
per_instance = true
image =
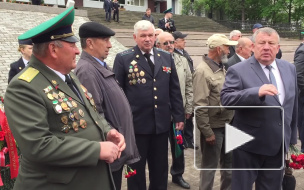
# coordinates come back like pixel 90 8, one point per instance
pixel 62 104
pixel 134 75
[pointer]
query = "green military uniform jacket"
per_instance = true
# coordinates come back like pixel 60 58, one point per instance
pixel 55 157
pixel 208 80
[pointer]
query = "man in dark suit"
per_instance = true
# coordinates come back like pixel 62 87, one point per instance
pixel 299 63
pixel 235 35
pixel 116 10
pixel 109 98
pixel 25 48
pixel 149 79
pixel 243 52
pixel 166 23
pixel 108 5
pixel 65 143
pixel 262 80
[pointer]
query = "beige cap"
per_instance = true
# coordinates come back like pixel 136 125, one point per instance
pixel 219 39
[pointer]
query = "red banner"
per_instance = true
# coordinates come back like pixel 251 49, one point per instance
pixel 11 145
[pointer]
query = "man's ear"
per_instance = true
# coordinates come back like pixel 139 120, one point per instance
pixel 52 50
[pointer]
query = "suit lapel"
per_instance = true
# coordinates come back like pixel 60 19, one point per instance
pixel 141 61
pixel 21 64
pixel 284 76
pixel 259 71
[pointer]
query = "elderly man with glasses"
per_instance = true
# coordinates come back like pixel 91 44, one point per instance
pixel 165 41
pixel 235 35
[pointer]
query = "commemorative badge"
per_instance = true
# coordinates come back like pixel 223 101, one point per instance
pixel 143 80
pixel 76 115
pixel 141 73
pixel 69 104
pixel 83 88
pixel 65 128
pixel 61 95
pixel 136 70
pixel 167 69
pixel 137 75
pixel 81 113
pixel 55 95
pixel 58 108
pixel 50 96
pixel 71 116
pixel 83 123
pixel 133 63
pixel 54 82
pixel 64 119
pixel 74 104
pixel 65 106
pixel 75 126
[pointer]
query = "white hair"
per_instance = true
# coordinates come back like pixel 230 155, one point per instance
pixel 143 25
pixel 234 33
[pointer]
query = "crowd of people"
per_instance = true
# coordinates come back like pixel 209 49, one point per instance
pixel 78 129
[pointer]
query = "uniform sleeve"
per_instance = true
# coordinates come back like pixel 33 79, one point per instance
pixel 118 69
pixel 200 98
pixel 176 99
pixel 27 116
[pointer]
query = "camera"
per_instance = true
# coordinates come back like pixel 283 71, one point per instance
pixel 170 23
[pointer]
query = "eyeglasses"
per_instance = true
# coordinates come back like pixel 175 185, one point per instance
pixel 167 43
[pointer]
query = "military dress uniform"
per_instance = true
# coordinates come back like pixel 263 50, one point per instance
pixel 153 98
pixel 57 131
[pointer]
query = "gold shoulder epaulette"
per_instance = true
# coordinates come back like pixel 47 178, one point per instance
pixel 29 74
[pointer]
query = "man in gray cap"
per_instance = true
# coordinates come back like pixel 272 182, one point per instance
pixel 110 100
pixel 208 79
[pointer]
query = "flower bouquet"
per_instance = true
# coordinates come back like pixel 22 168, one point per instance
pixel 9 162
pixel 179 143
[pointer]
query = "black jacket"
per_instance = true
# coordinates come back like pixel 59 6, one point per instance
pixel 16 67
pixel 161 24
pixel 299 63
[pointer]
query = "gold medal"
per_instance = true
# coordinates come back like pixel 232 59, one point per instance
pixel 65 128
pixel 74 104
pixel 81 113
pixel 136 69
pixel 83 123
pixel 143 81
pixel 142 73
pixel 83 88
pixel 133 63
pixel 54 82
pixel 75 126
pixel 134 81
pixel 76 115
pixel 137 56
pixel 55 95
pixel 92 102
pixel 64 119
pixel 65 106
pixel 50 96
pixel 61 95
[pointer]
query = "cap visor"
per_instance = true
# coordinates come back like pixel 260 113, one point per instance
pixel 71 39
pixel 231 43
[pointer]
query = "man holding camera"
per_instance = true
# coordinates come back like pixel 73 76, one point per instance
pixel 166 23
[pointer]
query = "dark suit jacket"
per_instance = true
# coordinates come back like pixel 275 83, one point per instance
pixel 161 24
pixel 111 102
pixel 241 87
pixel 299 63
pixel 153 98
pixel 107 5
pixel 231 61
pixel 53 159
pixel 16 67
pixel 232 51
pixel 187 56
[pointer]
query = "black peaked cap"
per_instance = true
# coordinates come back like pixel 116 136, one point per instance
pixel 94 29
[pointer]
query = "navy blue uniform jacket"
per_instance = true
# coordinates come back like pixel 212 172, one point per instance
pixel 153 99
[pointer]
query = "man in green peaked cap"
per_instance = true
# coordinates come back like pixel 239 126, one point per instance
pixel 65 143
pixel 166 23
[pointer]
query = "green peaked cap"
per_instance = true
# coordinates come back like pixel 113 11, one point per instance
pixel 57 28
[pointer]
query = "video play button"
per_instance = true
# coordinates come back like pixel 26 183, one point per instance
pixel 235 138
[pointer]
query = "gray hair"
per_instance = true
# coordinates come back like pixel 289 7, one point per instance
pixel 158 29
pixel 143 25
pixel 41 48
pixel 266 30
pixel 234 33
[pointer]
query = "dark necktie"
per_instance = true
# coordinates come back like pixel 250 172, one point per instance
pixel 147 55
pixel 271 76
pixel 72 86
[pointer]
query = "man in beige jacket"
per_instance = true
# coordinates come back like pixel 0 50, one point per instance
pixel 208 80
pixel 165 41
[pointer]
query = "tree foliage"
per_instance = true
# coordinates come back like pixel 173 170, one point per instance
pixel 274 11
